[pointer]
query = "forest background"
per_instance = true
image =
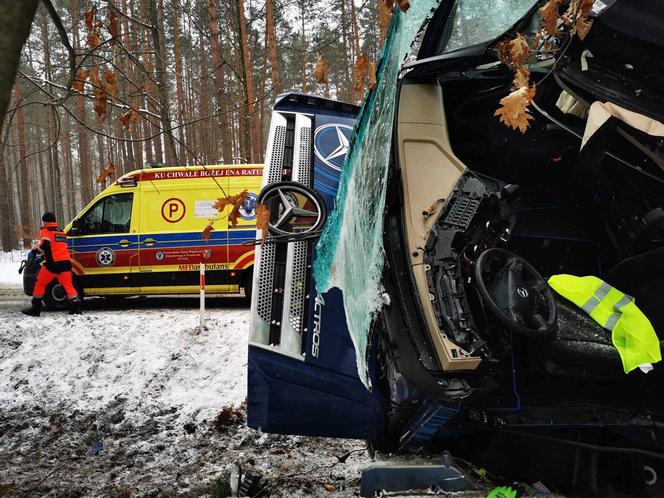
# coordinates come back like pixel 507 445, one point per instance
pixel 105 87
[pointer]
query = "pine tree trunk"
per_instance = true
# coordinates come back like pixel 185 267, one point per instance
pixel 22 172
pixel 271 40
pixel 84 163
pixel 179 85
pixel 53 133
pixel 219 83
pixel 305 57
pixel 248 85
pixel 160 66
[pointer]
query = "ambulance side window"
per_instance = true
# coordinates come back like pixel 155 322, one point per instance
pixel 111 214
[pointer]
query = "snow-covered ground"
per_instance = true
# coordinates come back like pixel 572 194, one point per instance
pixel 9 265
pixel 135 401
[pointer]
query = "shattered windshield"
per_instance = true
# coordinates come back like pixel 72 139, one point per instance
pixel 350 252
pixel 476 21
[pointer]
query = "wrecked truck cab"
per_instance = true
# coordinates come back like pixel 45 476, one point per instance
pixel 302 374
pixel 461 342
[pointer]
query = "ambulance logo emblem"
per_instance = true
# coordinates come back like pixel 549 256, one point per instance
pixel 331 144
pixel 248 208
pixel 106 256
pixel 159 256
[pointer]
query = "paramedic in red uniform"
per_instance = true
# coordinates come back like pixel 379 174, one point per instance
pixel 57 264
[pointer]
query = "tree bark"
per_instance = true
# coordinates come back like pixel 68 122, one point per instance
pixel 22 172
pixel 271 41
pixel 248 85
pixel 219 83
pixel 160 66
pixel 53 128
pixel 15 21
pixel 84 163
pixel 179 85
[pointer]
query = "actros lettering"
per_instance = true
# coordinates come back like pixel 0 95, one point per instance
pixel 315 339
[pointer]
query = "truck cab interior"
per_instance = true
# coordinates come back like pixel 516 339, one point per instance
pixel 555 205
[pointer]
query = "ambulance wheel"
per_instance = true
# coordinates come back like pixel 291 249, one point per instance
pixel 55 297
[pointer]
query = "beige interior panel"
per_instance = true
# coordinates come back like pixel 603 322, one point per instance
pixel 429 170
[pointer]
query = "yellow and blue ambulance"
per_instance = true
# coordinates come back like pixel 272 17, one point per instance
pixel 145 235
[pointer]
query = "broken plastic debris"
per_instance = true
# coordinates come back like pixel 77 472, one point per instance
pixel 585 55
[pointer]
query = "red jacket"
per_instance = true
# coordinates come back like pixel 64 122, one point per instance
pixel 53 242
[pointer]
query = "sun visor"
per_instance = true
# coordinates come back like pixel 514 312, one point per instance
pixel 601 112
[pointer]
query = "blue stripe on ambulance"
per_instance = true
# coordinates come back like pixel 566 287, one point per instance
pixel 166 240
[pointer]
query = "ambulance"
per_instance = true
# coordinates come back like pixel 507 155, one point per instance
pixel 145 234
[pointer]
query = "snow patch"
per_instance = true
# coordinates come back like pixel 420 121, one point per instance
pixel 9 265
pixel 144 358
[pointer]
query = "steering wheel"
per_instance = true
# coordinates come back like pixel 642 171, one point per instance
pixel 515 292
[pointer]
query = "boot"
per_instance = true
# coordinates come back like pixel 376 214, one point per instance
pixel 75 306
pixel 35 310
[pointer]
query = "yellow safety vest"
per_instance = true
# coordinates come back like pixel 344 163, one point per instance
pixel 631 332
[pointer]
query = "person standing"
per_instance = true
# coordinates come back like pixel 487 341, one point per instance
pixel 57 264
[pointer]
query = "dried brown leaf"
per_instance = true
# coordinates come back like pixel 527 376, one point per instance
pixel 207 231
pixel 113 24
pixel 235 201
pixel 320 71
pixel 79 82
pixel 94 40
pixel 262 220
pixel 513 110
pixel 521 78
pixel 329 487
pixel 127 118
pixel 384 17
pixel 549 15
pixel 519 50
pixel 583 25
pixel 89 17
pixel 107 172
pixel 111 83
pixel 364 74
pixel 371 75
pixel 404 5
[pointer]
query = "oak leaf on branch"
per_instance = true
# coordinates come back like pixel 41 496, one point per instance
pixel 113 24
pixel 107 172
pixel 513 110
pixel 89 17
pixel 232 200
pixel 521 78
pixel 127 118
pixel 320 71
pixel 384 16
pixel 364 74
pixel 111 83
pixel 262 220
pixel 519 50
pixel 207 231
pixel 79 81
pixel 583 25
pixel 549 14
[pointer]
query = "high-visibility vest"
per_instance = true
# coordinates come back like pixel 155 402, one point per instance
pixel 632 334
pixel 57 241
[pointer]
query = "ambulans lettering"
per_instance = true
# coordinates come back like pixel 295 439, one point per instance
pixel 315 338
pixel 212 266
